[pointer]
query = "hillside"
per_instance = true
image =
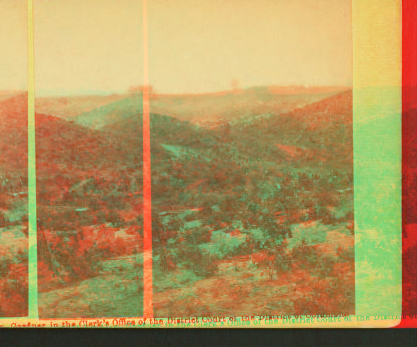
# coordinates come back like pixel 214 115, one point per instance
pixel 62 144
pixel 318 132
pixel 13 206
pixel 247 200
pixel 13 134
pixel 187 159
pixel 71 106
pixel 164 129
pixel 209 110
pixel 7 94
pixel 111 113
pixel 58 143
pixel 216 109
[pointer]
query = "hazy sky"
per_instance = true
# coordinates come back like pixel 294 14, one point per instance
pixel 202 45
pixel 13 48
pixel 194 45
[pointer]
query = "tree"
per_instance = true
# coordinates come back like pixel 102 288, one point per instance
pixel 160 230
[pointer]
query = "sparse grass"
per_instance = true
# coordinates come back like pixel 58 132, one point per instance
pixel 116 292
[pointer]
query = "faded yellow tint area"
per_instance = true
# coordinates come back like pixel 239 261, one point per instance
pixel 200 46
pixel 13 45
pixel 377 43
pixel 209 45
pixel 87 46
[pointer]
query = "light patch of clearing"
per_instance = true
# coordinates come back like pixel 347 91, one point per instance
pixel 13 239
pixel 315 233
pixel 340 239
pixel 292 151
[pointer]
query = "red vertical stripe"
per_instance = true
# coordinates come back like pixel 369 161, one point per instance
pixel 409 158
pixel 147 196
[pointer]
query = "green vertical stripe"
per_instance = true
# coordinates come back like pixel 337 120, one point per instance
pixel 33 250
pixel 377 184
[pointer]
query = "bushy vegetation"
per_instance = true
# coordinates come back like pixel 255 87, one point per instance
pixel 220 196
pixel 13 283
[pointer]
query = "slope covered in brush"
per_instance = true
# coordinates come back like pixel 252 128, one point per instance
pixel 111 113
pixel 319 132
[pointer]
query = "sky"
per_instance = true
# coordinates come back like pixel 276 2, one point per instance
pixel 96 46
pixel 13 47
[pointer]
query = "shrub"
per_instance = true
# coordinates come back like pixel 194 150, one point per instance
pixel 4 201
pixel 13 288
pixel 4 220
pixel 68 254
pixel 114 218
pixel 4 266
pixel 323 213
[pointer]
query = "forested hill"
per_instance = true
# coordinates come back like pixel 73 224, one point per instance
pixel 320 132
pixel 60 145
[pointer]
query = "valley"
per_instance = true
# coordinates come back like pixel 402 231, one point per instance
pixel 252 197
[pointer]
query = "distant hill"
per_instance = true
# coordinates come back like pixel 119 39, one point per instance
pixel 209 110
pixel 216 109
pixel 6 94
pixel 69 107
pixel 302 90
pixel 337 108
pixel 164 129
pixel 320 131
pixel 111 113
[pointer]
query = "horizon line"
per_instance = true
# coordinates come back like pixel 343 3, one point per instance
pixel 92 92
